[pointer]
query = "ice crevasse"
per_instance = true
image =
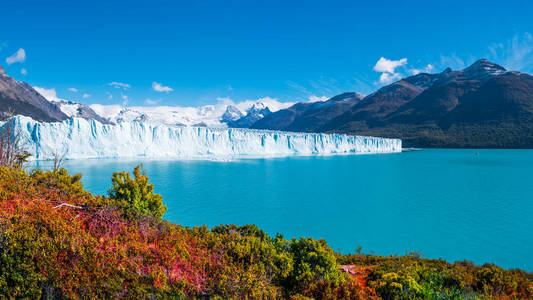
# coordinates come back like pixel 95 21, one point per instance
pixel 79 138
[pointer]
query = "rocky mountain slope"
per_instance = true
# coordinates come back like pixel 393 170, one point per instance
pixel 19 98
pixel 308 117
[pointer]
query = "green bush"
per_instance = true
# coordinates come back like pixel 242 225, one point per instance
pixel 135 196
pixel 314 263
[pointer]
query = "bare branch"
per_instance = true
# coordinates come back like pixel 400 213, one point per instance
pixel 58 160
pixel 12 150
pixel 67 205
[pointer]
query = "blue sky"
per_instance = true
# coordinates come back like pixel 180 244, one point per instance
pixel 198 51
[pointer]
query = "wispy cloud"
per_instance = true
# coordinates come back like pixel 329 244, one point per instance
pixel 314 98
pixel 151 102
pixel 322 85
pixel 225 100
pixel 23 71
pixel 328 87
pixel 74 90
pixel 109 95
pixel 85 96
pixel 120 85
pixel 125 99
pixel 452 61
pixel 19 56
pixel 427 69
pixel 298 87
pixel 158 87
pixel 515 54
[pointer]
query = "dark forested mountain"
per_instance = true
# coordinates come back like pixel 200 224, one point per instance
pixel 483 105
pixel 308 116
pixel 19 98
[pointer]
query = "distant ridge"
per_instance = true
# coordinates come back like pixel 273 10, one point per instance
pixel 309 116
pixel 481 106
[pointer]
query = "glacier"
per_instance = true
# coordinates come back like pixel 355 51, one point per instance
pixel 78 138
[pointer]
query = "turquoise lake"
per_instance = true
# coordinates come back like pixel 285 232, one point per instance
pixel 450 204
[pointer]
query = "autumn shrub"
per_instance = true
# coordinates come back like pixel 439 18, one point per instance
pixel 59 182
pixel 59 241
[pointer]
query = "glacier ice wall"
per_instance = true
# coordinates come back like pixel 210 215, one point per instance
pixel 80 138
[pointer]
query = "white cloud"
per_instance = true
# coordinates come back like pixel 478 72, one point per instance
pixel 386 78
pixel 388 66
pixel 109 95
pixel 120 85
pixel 74 90
pixel 19 56
pixel 49 94
pixel 427 69
pixel 85 96
pixel 23 71
pixel 314 98
pixel 158 87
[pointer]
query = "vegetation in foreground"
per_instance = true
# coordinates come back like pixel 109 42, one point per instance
pixel 59 241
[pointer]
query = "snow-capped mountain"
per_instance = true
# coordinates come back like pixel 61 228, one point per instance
pixel 231 114
pixel 255 113
pixel 71 109
pixel 77 110
pixel 242 114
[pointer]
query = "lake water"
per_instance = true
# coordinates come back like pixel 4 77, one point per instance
pixel 451 204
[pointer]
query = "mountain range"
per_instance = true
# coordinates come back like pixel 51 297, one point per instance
pixel 481 106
